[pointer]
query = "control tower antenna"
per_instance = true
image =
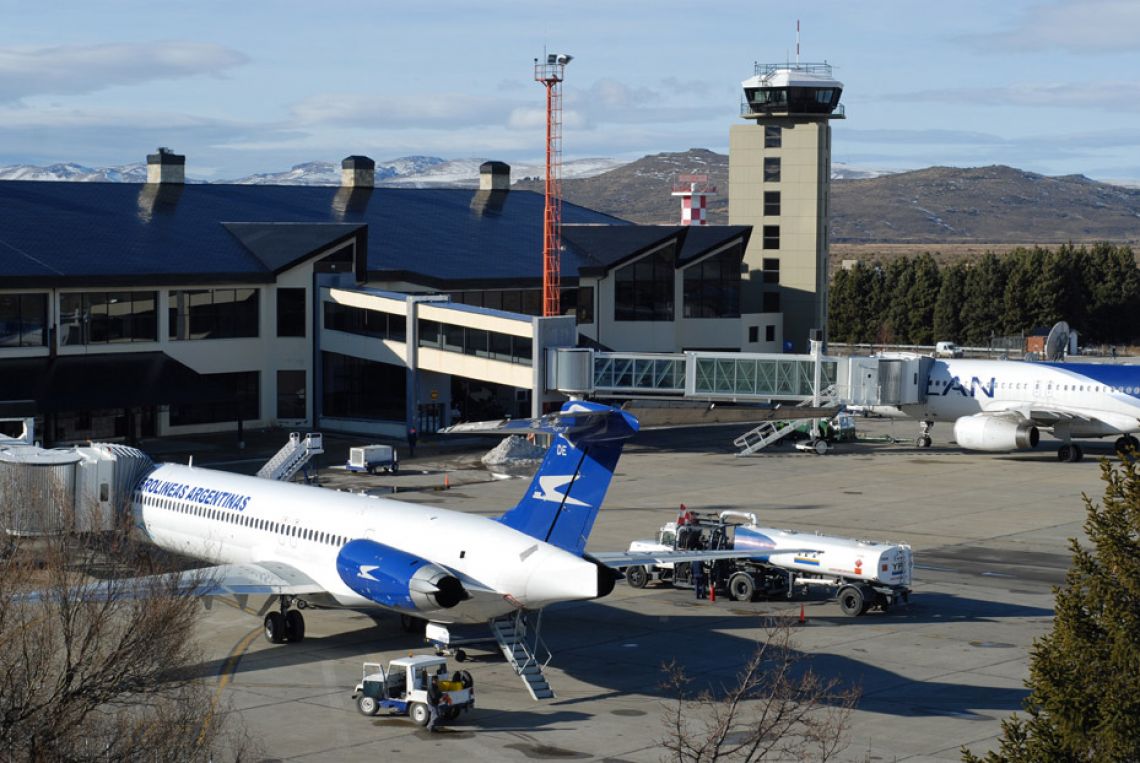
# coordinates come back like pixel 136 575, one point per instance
pixel 797 41
pixel 550 72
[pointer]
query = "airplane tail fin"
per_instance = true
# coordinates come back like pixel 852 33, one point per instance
pixel 563 499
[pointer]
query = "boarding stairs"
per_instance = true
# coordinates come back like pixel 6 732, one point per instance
pixel 524 650
pixel 770 432
pixel 293 457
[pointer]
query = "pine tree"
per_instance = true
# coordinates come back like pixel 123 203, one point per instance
pixel 1084 675
pixel 982 308
pixel 843 307
pixel 922 297
pixel 948 307
pixel 899 279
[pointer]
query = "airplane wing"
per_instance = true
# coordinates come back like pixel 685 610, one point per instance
pixel 270 578
pixel 621 559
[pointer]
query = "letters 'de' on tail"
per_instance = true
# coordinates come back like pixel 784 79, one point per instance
pixel 562 502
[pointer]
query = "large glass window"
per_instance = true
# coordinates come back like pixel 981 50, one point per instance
pixel 584 304
pixel 712 286
pixel 213 314
pixel 771 169
pixel 357 320
pixel 291 395
pixel 246 386
pixel 291 312
pixel 355 388
pixel 644 289
pixel 773 136
pixel 108 317
pixel 478 342
pixel 23 320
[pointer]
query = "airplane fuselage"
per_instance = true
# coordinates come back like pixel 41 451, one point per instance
pixel 1100 399
pixel 228 518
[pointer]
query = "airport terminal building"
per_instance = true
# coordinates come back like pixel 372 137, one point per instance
pixel 165 308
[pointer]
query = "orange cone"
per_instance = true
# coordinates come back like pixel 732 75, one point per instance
pixel 712 591
pixel 803 616
pixel 446 482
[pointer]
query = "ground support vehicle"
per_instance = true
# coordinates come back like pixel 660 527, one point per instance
pixel 865 575
pixel 369 458
pixel 402 689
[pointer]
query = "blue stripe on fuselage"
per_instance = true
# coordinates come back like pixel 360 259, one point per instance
pixel 1121 377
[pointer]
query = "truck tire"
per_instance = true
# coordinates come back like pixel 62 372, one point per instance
pixel 419 713
pixel 464 678
pixel 820 447
pixel 852 601
pixel 741 587
pixel 637 577
pixel 367 705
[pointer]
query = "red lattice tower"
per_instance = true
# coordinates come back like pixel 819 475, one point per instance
pixel 551 73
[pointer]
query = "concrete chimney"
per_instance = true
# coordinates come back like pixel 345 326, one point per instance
pixel 494 176
pixel 357 172
pixel 165 167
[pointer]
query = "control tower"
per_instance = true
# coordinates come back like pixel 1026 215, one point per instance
pixel 779 173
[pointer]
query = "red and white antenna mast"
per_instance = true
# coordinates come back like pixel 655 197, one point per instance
pixel 551 73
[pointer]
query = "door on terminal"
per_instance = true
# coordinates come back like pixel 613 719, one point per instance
pixel 429 417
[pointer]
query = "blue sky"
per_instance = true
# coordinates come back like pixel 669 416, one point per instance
pixel 257 86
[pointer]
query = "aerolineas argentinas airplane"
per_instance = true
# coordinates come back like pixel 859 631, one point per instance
pixel 314 547
pixel 999 405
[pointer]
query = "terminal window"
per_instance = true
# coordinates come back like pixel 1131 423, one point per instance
pixel 771 236
pixel 23 318
pixel 108 317
pixel 712 286
pixel 213 314
pixel 246 386
pixel 291 312
pixel 772 203
pixel 771 269
pixel 773 136
pixel 291 395
pixel 771 169
pixel 644 289
pixel 769 333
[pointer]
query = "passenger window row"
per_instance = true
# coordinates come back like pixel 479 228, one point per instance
pixel 245 520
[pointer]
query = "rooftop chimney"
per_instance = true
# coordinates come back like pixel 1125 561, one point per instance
pixel 494 176
pixel 357 172
pixel 165 167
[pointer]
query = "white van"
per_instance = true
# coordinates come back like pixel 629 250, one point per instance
pixel 947 350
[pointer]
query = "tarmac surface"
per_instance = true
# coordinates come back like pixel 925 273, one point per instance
pixel 989 532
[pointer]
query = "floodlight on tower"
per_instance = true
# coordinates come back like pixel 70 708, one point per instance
pixel 550 73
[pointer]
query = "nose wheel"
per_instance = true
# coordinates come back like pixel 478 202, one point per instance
pixel 924 439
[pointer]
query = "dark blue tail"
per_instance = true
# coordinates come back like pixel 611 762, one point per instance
pixel 563 499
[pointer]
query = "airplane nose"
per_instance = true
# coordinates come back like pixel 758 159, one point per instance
pixel 561 577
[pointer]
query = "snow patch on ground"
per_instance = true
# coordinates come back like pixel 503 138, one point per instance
pixel 514 450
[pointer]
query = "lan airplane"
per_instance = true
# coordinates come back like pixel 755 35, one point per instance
pixel 1000 405
pixel 313 547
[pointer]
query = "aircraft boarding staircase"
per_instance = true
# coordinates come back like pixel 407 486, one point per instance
pixel 292 457
pixel 770 432
pixel 511 631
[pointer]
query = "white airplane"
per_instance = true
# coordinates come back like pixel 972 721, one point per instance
pixel 309 546
pixel 1001 405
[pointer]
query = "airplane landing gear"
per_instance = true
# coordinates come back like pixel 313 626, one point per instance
pixel 285 625
pixel 1070 452
pixel 1127 445
pixel 924 440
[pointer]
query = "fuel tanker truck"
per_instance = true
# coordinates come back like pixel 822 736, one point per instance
pixel 774 563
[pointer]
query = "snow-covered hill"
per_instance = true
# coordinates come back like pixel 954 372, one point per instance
pixel 406 171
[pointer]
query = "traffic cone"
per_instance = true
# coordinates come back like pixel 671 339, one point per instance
pixel 712 591
pixel 803 616
pixel 446 482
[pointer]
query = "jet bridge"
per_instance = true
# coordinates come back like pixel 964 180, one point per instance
pixel 741 376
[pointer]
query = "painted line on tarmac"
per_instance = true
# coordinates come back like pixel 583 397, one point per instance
pixel 226 674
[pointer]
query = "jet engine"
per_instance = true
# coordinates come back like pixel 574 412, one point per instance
pixel 397 579
pixel 994 433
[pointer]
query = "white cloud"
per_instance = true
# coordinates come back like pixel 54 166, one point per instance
pixel 75 69
pixel 452 110
pixel 1085 27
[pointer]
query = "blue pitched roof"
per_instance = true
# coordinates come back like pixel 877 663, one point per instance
pixel 56 233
